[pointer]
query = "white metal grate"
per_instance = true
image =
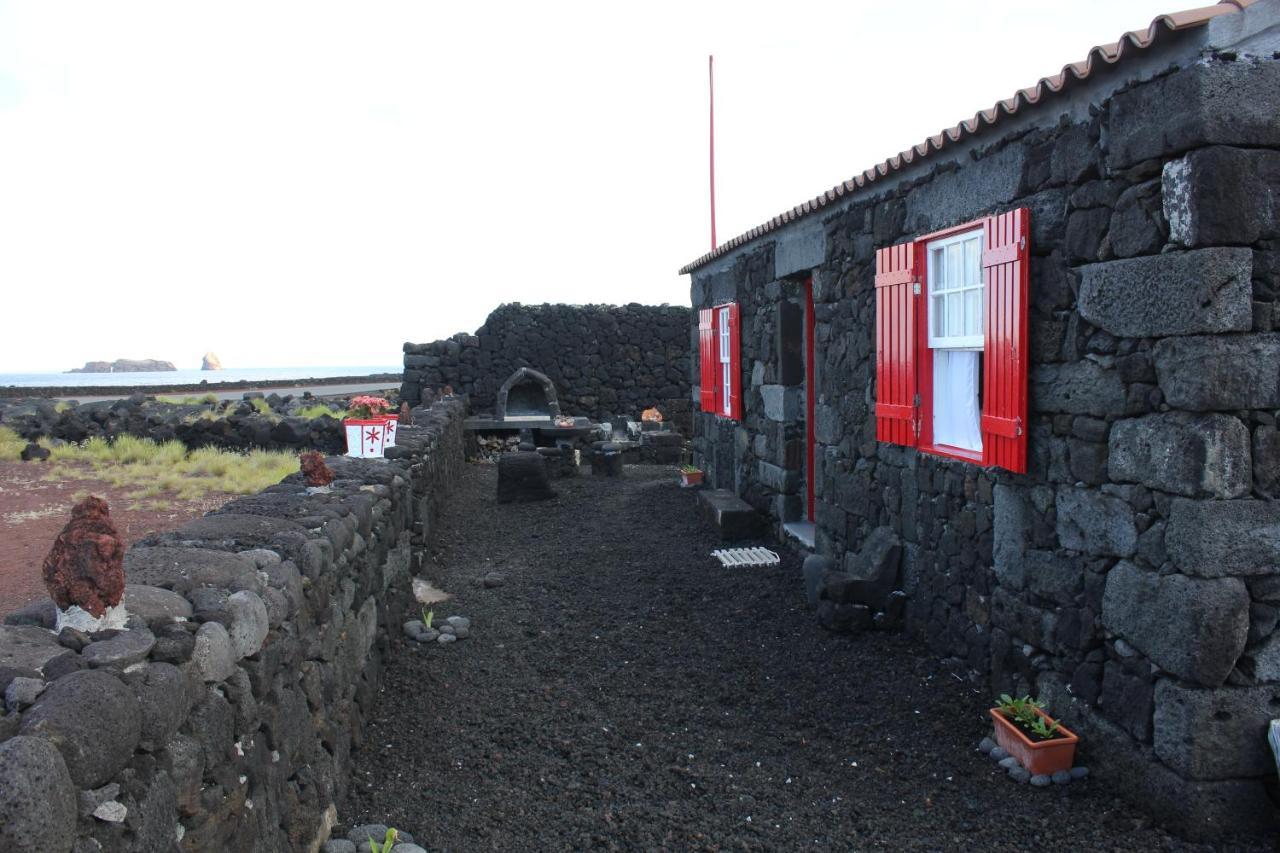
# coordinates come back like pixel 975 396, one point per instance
pixel 745 557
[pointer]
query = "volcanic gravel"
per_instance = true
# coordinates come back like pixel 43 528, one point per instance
pixel 621 691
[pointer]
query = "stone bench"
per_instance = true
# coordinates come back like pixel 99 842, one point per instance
pixel 732 516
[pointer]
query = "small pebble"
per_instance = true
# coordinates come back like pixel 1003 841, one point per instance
pixel 1079 772
pixel 447 629
pixel 1020 774
pixel 1009 762
pixel 428 635
pixel 1062 777
pixel 986 745
pixel 458 622
pixel 1041 781
pixel 462 633
pixel 492 580
pixel 998 753
pixel 446 639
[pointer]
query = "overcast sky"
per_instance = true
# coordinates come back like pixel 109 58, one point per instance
pixel 313 183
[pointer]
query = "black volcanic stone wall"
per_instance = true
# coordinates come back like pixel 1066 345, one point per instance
pixel 224 717
pixel 1132 577
pixel 605 360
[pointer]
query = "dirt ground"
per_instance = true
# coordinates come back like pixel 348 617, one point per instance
pixel 34 510
pixel 622 692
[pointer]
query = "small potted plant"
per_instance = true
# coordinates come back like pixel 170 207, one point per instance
pixel 690 476
pixel 1040 743
pixel 366 426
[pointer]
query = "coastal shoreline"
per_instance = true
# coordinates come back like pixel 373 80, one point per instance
pixel 79 392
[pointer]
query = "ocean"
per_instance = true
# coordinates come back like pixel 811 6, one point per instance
pixel 186 377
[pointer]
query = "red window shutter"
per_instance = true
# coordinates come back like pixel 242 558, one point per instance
pixel 708 359
pixel 1004 403
pixel 735 361
pixel 897 407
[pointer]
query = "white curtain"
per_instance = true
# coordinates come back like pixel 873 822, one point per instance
pixel 956 415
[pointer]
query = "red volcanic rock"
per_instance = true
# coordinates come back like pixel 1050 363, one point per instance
pixel 314 470
pixel 86 564
pixel 406 418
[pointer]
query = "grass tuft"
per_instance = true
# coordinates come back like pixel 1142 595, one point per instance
pixel 11 445
pixel 319 410
pixel 206 400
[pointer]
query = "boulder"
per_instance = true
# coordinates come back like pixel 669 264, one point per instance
pixel 85 566
pixel 37 798
pixel 154 605
pixel 122 650
pixel 26 647
pixel 1191 627
pixel 249 623
pixel 165 695
pixel 815 567
pixel 94 721
pixel 182 569
pixel 874 569
pixel 214 654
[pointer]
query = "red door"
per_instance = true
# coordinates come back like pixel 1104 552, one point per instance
pixel 811 398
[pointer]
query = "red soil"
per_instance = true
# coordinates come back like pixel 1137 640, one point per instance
pixel 33 511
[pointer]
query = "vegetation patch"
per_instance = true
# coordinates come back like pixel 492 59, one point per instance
pixel 158 472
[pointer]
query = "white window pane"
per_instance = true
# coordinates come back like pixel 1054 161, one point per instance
pixel 956 411
pixel 955 266
pixel 973 261
pixel 973 312
pixel 955 314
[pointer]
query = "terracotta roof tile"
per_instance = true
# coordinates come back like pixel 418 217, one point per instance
pixel 1108 54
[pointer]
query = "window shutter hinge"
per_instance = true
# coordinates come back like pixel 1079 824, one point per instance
pixel 1022 244
pixel 1017 426
pixel 915 287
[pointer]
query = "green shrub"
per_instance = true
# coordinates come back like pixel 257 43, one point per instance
pixel 11 445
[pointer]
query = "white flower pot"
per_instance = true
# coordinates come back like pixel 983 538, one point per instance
pixel 391 424
pixel 366 438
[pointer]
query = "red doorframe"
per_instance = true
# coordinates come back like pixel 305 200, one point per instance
pixel 811 397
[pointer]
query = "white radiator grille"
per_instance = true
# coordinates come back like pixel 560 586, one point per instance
pixel 746 557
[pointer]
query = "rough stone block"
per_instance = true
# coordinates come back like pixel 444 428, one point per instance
pixel 1095 523
pixel 1055 577
pixel 781 402
pixel 1222 195
pixel 732 516
pixel 1177 293
pixel 1215 734
pixel 1215 538
pixel 1012 528
pixel 777 478
pixel 1128 700
pixel 1208 103
pixel 1077 388
pixel 93 719
pixel 798 250
pixel 37 798
pixel 1266 460
pixel 523 477
pixel 1207 374
pixel 1191 627
pixel 1186 454
pixel 875 565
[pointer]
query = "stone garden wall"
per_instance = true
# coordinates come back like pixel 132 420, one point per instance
pixel 1132 577
pixel 273 424
pixel 605 360
pixel 224 718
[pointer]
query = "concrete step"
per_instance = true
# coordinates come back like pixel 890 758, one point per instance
pixel 732 516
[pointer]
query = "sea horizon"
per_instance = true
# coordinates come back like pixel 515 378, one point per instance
pixel 196 376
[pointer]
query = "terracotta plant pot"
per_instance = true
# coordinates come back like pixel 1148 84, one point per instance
pixel 690 478
pixel 1043 758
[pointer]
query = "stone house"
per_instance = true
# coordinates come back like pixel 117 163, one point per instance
pixel 1036 361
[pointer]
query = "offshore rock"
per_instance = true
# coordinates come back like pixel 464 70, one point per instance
pixel 85 567
pixel 210 362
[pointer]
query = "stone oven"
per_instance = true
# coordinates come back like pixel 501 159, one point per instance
pixel 527 395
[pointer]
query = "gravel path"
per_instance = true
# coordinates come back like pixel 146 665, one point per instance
pixel 620 691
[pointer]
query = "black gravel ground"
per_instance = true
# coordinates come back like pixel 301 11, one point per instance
pixel 623 692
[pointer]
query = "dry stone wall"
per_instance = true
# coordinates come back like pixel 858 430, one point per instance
pixel 1132 576
pixel 605 360
pixel 224 717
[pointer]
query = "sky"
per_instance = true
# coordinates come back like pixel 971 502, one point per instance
pixel 314 183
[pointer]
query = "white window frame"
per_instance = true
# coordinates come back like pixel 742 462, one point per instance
pixel 726 366
pixel 936 301
pixel 939 297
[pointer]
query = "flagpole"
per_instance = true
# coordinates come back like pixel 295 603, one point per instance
pixel 711 79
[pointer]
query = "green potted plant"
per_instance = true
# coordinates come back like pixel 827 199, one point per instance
pixel 690 476
pixel 1040 743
